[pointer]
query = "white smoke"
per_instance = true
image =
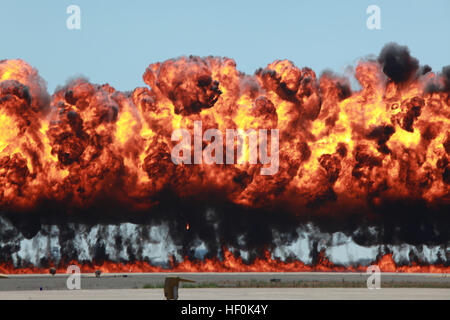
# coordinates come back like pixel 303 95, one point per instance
pixel 154 244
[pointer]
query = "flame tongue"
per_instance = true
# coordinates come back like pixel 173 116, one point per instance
pixel 231 263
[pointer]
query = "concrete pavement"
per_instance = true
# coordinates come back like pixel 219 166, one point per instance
pixel 234 294
pixel 139 280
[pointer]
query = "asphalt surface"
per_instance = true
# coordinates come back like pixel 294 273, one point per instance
pixel 36 282
pixel 235 294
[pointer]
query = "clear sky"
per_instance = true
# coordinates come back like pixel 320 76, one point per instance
pixel 119 39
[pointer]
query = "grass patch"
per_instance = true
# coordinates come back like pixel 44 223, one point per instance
pixel 153 286
pixel 201 285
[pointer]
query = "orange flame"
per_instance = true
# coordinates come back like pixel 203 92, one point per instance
pixel 387 141
pixel 232 263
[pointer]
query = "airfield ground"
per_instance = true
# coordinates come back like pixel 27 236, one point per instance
pixel 235 286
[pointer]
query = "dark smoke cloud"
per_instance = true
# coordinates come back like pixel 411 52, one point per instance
pixel 397 63
pixel 442 84
pixel 253 231
pixel 446 78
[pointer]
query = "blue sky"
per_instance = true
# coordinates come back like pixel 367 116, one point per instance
pixel 119 39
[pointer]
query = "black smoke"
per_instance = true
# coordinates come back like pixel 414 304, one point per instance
pixel 397 63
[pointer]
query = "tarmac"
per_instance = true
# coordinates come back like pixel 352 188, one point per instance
pixel 130 286
pixel 235 294
pixel 139 280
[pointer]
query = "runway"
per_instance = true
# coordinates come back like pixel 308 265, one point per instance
pixel 235 294
pixel 46 282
